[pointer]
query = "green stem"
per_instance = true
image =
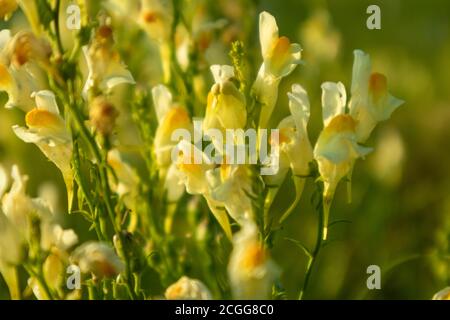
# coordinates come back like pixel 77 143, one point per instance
pixel 313 258
pixel 57 31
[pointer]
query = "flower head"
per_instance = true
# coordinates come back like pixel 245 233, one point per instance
pixel 226 104
pixel 106 70
pixel 250 270
pixel 336 149
pixel 99 259
pixel 371 102
pixel 280 57
pixel 47 129
pixel 188 289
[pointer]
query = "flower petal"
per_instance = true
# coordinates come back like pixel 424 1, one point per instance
pixel 334 99
pixel 268 32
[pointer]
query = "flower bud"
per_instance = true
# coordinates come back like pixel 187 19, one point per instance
pixel 103 115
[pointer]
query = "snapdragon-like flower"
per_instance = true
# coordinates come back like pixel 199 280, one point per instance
pixel 105 68
pixel 370 102
pixel 192 167
pixel 294 148
pixel 188 289
pixel 99 259
pixel 226 104
pixel 231 185
pixel 171 117
pixel 21 57
pixel 251 271
pixel 155 18
pixel 47 130
pixel 18 210
pixel 336 149
pixel 280 57
pixel 7 8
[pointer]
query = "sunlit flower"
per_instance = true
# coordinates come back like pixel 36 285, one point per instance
pixel 156 18
pixel 293 147
pixel 226 104
pixel 231 185
pixel 280 58
pixel 7 8
pixel 188 289
pixel 193 175
pixel 250 270
pixel 20 59
pixel 444 294
pixel 47 129
pixel 99 259
pixel 336 149
pixel 370 102
pixel 106 70
pixel 171 117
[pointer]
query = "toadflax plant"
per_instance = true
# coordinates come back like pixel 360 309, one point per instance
pixel 190 214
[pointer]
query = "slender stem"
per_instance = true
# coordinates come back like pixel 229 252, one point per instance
pixel 57 31
pixel 313 258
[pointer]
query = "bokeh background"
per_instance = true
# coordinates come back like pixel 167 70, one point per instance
pixel 400 215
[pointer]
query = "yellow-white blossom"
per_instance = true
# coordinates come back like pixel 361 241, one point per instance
pixel 336 149
pixel 171 117
pixel 21 57
pixel 370 102
pixel 226 104
pixel 192 167
pixel 47 129
pixel 231 185
pixel 292 148
pixel 188 289
pixel 105 68
pixel 444 294
pixel 251 271
pixel 99 259
pixel 280 58
pixel 156 18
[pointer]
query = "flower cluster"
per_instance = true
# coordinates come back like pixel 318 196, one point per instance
pixel 72 96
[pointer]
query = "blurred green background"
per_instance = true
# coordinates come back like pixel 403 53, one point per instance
pixel 400 215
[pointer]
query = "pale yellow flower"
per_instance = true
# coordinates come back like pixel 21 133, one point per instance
pixel 99 259
pixel 192 167
pixel 20 75
pixel 280 59
pixel 226 104
pixel 251 271
pixel 47 129
pixel 105 68
pixel 155 18
pixel 370 102
pixel 293 147
pixel 171 117
pixel 336 149
pixel 231 185
pixel 188 289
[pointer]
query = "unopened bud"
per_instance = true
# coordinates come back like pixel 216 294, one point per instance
pixel 103 115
